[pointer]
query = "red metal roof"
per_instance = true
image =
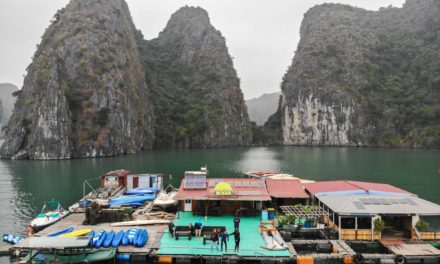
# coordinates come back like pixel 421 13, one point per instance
pixel 378 187
pixel 118 173
pixel 285 188
pixel 340 186
pixel 243 189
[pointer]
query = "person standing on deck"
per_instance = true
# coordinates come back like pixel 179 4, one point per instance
pixel 236 234
pixel 224 236
pixel 236 222
pixel 214 239
pixel 198 227
pixel 171 227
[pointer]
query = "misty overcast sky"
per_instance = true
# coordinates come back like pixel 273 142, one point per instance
pixel 261 34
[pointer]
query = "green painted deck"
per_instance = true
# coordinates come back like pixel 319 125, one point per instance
pixel 251 244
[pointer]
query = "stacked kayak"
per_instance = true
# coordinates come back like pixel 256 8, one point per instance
pixel 134 236
pixel 131 200
pixel 13 239
pixel 141 191
pixel 65 231
pixel 81 232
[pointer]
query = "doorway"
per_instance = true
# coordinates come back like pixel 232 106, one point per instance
pixel 397 227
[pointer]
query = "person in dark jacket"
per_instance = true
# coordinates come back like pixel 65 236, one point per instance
pixel 236 222
pixel 236 234
pixel 214 239
pixel 171 227
pixel 224 238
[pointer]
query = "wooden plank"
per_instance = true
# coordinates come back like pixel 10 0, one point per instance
pixel 413 249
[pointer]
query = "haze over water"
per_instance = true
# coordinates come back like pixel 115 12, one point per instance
pixel 25 185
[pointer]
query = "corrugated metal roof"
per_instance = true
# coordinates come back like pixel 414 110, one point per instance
pixel 376 204
pixel 285 188
pixel 352 188
pixel 243 189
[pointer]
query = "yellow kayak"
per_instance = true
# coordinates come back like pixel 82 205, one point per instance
pixel 81 232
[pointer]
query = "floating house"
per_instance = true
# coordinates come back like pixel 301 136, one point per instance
pixel 218 196
pixel 356 207
pixel 117 178
pixel 286 191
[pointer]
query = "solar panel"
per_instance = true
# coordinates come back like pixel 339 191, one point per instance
pixel 195 182
pixel 365 200
pixel 245 184
pixel 384 201
pixel 358 205
pixel 238 184
pixel 393 201
pixel 374 201
pixel 249 193
pixel 254 184
pixel 410 201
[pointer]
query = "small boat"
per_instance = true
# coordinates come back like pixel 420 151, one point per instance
pixel 78 256
pixel 272 243
pixel 50 213
pixel 260 174
pixel 13 239
pixel 165 199
pixel 65 231
pixel 81 232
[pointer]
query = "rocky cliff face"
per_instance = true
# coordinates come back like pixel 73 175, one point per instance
pixel 196 90
pixel 84 94
pixel 94 81
pixel 365 78
pixel 7 101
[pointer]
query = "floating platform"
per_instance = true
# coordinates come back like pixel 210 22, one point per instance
pixel 155 233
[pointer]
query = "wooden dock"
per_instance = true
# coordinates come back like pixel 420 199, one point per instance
pixel 401 248
pixel 155 232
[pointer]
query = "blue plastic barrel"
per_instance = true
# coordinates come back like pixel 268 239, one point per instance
pixel 264 215
pixel 120 256
pixel 271 213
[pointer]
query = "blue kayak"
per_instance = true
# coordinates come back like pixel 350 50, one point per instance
pixel 92 235
pixel 141 238
pixel 141 191
pixel 128 204
pixel 131 199
pixel 96 237
pixel 108 239
pixel 101 239
pixel 132 235
pixel 13 239
pixel 118 238
pixel 65 231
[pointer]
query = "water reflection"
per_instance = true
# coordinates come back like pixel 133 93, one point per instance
pixel 26 185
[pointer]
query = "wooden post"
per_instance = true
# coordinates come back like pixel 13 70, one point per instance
pixel 356 227
pixel 339 226
pixel 372 229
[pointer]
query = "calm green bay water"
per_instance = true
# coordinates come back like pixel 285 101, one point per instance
pixel 25 185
